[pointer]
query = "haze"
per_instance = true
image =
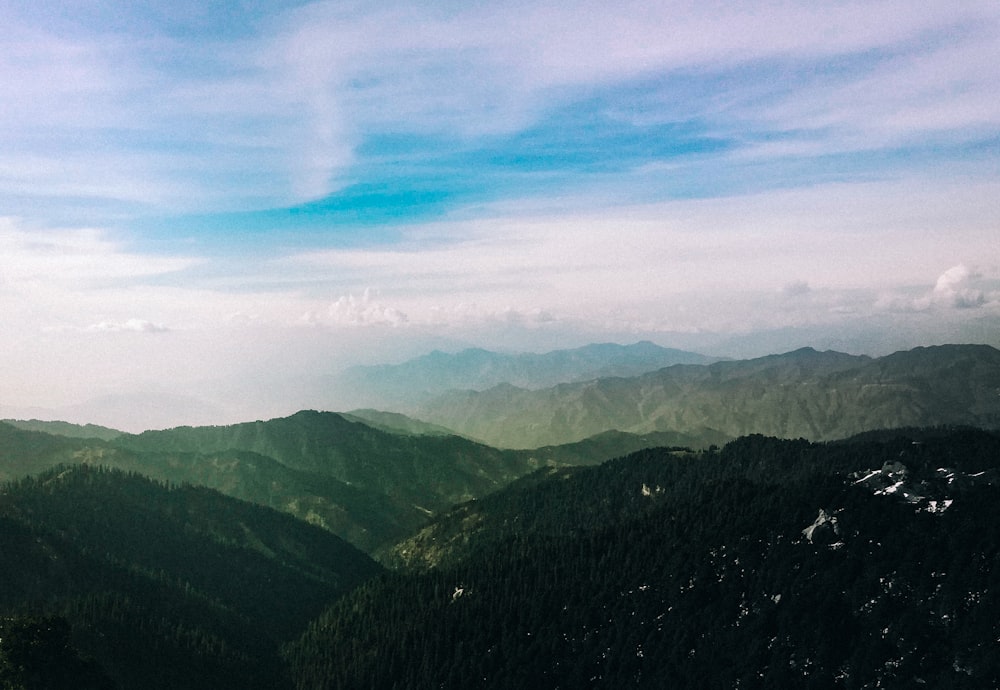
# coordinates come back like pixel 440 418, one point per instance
pixel 203 204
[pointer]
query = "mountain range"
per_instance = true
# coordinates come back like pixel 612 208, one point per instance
pixel 370 486
pixel 810 519
pixel 805 393
pixel 401 386
pixel 772 563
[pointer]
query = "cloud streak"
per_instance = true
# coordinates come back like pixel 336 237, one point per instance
pixel 131 326
pixel 157 116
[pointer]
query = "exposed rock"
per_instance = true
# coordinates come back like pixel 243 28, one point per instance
pixel 825 530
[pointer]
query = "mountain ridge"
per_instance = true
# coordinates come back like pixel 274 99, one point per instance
pixel 816 395
pixel 406 384
pixel 368 485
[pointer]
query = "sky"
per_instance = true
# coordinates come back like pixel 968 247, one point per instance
pixel 205 205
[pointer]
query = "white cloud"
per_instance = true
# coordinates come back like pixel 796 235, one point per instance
pixel 592 265
pixel 955 288
pixel 958 288
pixel 349 310
pixel 131 325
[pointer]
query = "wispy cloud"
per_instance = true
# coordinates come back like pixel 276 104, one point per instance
pixel 131 326
pixel 73 259
pixel 206 121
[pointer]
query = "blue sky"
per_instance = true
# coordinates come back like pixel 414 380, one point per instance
pixel 193 194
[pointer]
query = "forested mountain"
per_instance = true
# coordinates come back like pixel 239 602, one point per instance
pixel 869 561
pixel 166 587
pixel 805 393
pixel 866 563
pixel 369 486
pixel 402 385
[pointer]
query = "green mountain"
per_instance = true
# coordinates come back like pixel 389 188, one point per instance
pixel 866 563
pixel 809 394
pixel 166 586
pixel 402 385
pixel 369 486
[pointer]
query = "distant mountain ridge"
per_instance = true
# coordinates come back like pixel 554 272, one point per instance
pixel 804 393
pixel 419 379
pixel 58 428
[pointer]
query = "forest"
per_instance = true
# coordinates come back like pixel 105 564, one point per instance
pixel 867 562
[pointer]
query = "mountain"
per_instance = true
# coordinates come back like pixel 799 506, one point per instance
pixel 395 423
pixel 417 474
pixel 167 586
pixel 771 563
pixel 369 486
pixel 400 386
pixel 805 393
pixel 65 428
pixel 372 487
pixel 366 485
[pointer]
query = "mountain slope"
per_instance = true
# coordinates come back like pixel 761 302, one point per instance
pixel 167 587
pixel 816 395
pixel 370 486
pixel 428 471
pixel 771 564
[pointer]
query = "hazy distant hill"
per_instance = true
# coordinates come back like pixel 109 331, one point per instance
pixel 65 428
pixel 167 587
pixel 805 393
pixel 395 423
pixel 417 380
pixel 770 564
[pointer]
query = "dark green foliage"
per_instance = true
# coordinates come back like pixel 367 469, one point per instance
pixel 167 586
pixel 691 570
pixel 36 653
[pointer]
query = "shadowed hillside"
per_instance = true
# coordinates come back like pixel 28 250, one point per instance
pixel 167 587
pixel 770 564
